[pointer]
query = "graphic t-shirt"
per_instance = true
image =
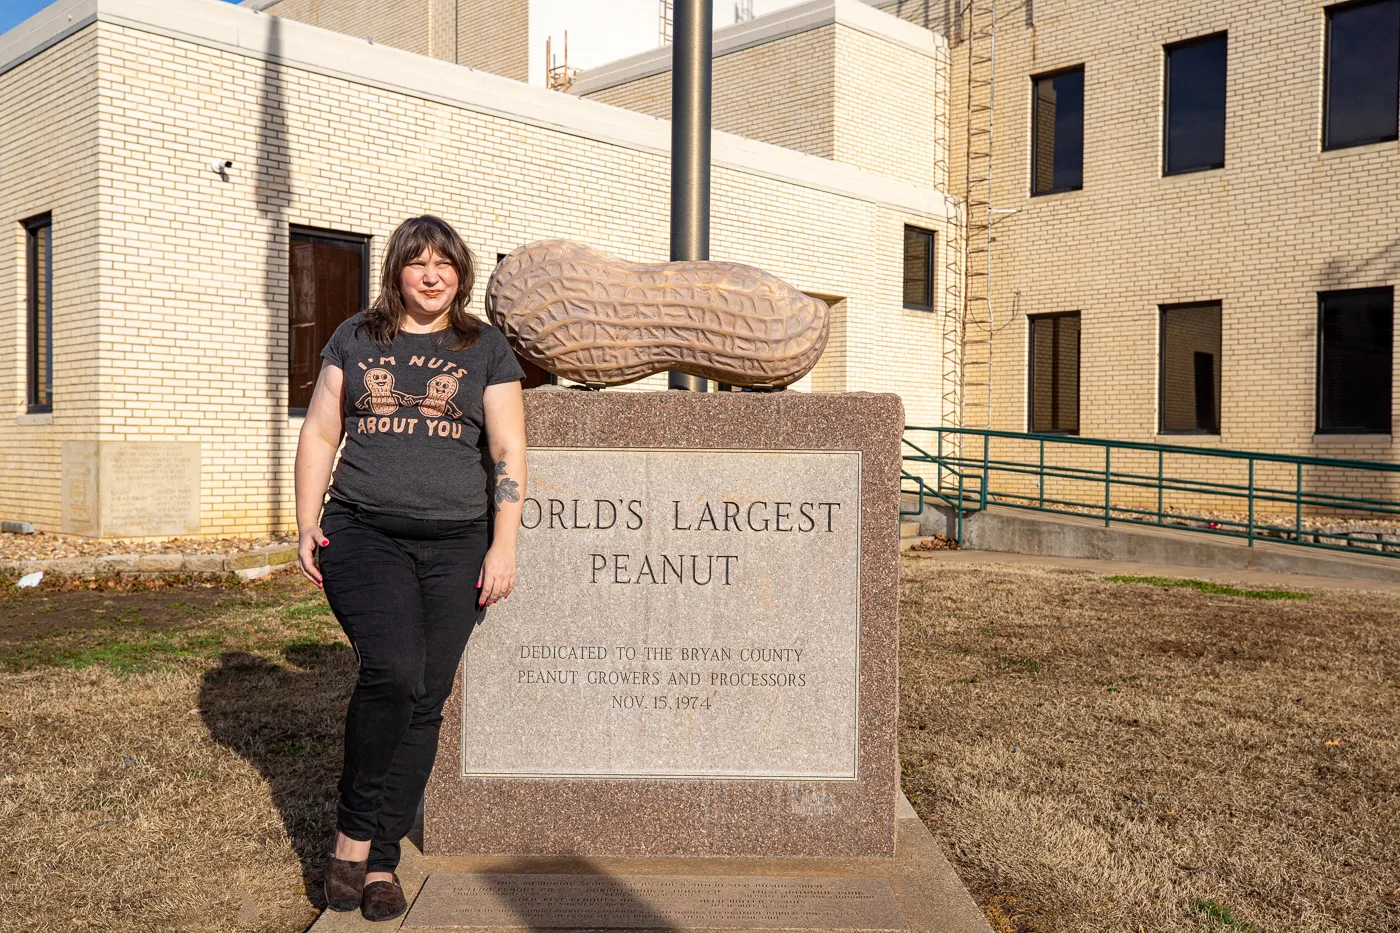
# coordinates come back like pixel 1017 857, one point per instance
pixel 414 424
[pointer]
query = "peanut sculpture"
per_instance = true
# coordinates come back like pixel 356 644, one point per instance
pixel 592 318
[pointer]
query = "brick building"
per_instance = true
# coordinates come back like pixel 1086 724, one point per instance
pixel 196 191
pixel 1152 221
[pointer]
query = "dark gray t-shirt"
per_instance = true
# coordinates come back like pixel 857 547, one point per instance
pixel 414 425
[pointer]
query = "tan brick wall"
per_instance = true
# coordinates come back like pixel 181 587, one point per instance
pixel 489 35
pixel 833 91
pixel 194 271
pixel 888 100
pixel 782 92
pixel 49 163
pixel 940 16
pixel 829 375
pixel 444 29
pixel 1282 221
pixel 495 36
pixel 402 24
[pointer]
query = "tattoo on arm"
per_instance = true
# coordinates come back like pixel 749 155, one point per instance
pixel 507 489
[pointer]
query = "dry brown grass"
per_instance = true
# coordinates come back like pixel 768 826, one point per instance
pixel 184 794
pixel 1103 756
pixel 1095 755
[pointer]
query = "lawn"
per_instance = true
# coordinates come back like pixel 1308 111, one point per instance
pixel 1125 754
pixel 1094 753
pixel 168 755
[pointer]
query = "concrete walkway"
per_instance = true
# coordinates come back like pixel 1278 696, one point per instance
pixel 1005 530
pixel 927 889
pixel 1255 579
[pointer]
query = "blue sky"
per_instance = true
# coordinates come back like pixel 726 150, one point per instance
pixel 14 12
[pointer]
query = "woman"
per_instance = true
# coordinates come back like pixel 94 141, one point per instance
pixel 406 557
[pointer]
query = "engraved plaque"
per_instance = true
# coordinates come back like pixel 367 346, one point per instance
pixel 655 902
pixel 149 487
pixel 679 613
pixel 80 488
pixel 131 488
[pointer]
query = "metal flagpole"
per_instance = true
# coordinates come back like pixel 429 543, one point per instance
pixel 690 143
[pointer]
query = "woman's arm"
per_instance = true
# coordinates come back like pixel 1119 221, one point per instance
pixel 316 447
pixel 505 433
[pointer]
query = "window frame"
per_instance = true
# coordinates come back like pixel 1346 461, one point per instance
pixel 932 267
pixel 1162 310
pixel 1318 370
pixel 1327 13
pixel 1167 50
pixel 1035 128
pixel 1030 370
pixel 32 226
pixel 360 240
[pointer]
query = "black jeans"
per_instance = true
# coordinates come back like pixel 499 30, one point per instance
pixel 404 591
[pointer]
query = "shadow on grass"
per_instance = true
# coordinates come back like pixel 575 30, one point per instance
pixel 287 720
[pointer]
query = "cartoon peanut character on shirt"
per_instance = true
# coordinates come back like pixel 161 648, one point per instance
pixel 380 394
pixel 442 388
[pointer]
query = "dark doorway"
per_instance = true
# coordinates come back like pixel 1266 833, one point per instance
pixel 329 283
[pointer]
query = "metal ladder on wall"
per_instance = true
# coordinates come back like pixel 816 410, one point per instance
pixel 953 309
pixel 665 21
pixel 978 25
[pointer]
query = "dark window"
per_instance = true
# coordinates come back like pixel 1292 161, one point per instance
pixel 1190 369
pixel 1057 132
pixel 1054 375
pixel 330 282
pixel 1362 94
pixel 918 269
pixel 1353 361
pixel 39 312
pixel 1195 102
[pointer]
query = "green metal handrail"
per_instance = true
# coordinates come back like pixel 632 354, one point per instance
pixel 958 464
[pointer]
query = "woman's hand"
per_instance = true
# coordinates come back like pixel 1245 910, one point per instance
pixel 311 538
pixel 497 576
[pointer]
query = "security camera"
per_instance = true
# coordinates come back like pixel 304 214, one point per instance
pixel 219 166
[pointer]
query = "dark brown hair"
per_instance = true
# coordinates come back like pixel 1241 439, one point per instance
pixel 384 318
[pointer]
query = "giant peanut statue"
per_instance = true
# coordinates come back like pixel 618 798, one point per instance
pixel 592 318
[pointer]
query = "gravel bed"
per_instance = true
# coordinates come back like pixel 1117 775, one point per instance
pixel 47 546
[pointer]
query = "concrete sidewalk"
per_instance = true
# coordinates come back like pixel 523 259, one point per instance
pixel 928 891
pixel 1005 530
pixel 1257 579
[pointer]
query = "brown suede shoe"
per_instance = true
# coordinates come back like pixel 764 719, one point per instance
pixel 383 900
pixel 345 881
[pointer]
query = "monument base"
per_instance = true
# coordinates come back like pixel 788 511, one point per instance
pixel 700 657
pixel 915 891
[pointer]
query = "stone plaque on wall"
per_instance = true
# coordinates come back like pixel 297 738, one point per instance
pixel 131 488
pixel 700 655
pixel 80 510
pixel 679 613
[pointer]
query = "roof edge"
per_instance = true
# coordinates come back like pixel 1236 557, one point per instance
pixel 771 27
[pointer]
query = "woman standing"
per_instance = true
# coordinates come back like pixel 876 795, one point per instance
pixel 409 555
